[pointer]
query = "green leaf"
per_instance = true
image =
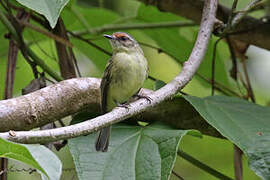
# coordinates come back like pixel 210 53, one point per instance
pixel 159 84
pixel 37 156
pixel 51 9
pixel 244 123
pixel 168 39
pixel 135 152
pixel 92 3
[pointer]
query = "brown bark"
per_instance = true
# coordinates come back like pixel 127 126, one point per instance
pixel 65 55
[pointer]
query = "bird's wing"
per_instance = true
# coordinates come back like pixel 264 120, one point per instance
pixel 104 86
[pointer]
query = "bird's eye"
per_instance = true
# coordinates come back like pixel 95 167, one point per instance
pixel 123 38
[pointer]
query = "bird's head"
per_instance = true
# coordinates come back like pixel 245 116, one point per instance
pixel 123 42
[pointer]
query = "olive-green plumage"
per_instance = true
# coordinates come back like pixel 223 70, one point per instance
pixel 124 75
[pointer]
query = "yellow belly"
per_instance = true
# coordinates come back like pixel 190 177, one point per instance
pixel 127 77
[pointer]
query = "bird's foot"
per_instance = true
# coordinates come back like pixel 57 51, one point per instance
pixel 124 105
pixel 143 96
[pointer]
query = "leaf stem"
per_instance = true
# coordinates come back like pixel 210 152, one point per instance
pixel 203 166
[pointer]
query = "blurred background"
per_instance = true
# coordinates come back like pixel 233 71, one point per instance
pixel 81 15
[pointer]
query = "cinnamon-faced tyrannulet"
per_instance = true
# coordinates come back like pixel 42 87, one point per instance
pixel 124 75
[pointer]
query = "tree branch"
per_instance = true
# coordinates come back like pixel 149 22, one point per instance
pixel 237 19
pixel 66 58
pixel 119 114
pixel 74 95
pixel 46 33
pixel 249 30
pixel 49 104
pixel 115 27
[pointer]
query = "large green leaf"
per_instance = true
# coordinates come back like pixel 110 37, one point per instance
pixel 244 123
pixel 37 156
pixel 51 9
pixel 135 152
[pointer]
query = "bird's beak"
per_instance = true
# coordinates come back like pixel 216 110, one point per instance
pixel 108 36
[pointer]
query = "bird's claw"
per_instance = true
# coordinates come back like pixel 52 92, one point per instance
pixel 145 97
pixel 125 105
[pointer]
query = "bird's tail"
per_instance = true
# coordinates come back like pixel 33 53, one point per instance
pixel 103 139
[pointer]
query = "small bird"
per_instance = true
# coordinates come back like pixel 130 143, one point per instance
pixel 123 78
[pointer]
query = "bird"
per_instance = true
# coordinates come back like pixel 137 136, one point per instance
pixel 123 78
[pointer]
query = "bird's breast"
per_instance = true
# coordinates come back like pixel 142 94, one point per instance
pixel 127 76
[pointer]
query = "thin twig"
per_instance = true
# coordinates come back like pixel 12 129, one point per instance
pixel 177 175
pixel 90 43
pixel 11 67
pixel 3 5
pixel 116 27
pixel 234 70
pixel 46 33
pixel 203 166
pixel 40 20
pixel 246 83
pixel 152 78
pixel 213 66
pixel 239 87
pixel 258 6
pixel 231 15
pixel 249 86
pixel 238 169
pixel 245 96
pixel 238 17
